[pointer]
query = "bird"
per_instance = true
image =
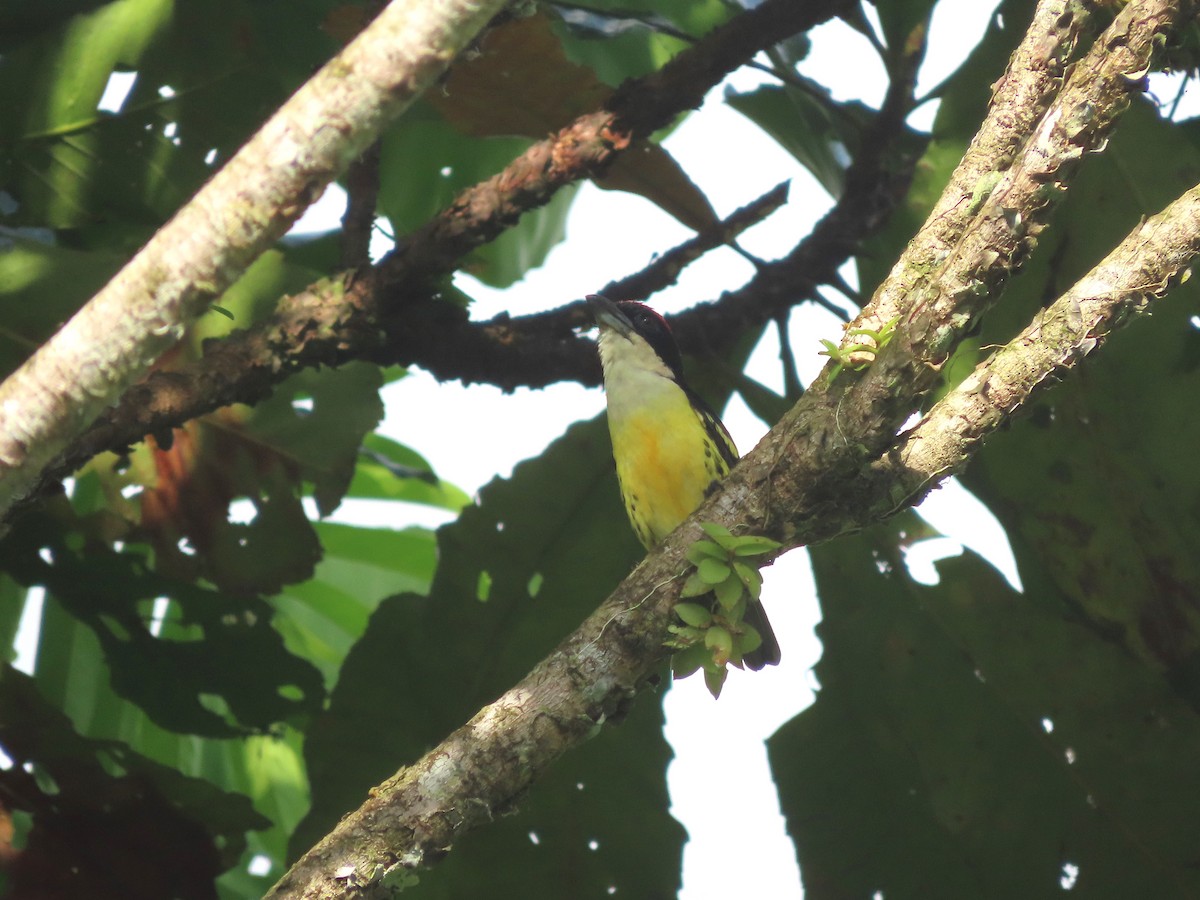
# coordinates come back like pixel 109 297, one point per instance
pixel 670 448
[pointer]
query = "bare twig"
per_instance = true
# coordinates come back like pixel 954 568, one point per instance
pixel 358 221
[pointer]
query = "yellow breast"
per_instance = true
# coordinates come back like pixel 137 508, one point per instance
pixel 665 464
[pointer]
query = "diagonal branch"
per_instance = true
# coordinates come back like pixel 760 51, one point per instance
pixel 332 321
pixel 240 212
pixel 934 306
pixel 1153 258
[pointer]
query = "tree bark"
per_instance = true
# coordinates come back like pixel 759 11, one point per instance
pixel 246 206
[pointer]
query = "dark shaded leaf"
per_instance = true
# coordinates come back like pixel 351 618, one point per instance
pixel 108 822
pixel 211 645
pixel 926 767
pixel 819 133
pixel 1098 486
pixel 622 39
pixel 388 470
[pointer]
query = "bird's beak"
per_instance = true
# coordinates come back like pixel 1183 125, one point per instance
pixel 608 315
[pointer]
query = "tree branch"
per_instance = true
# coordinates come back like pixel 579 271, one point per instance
pixel 341 318
pixel 1154 257
pixel 242 210
pixel 413 818
pixel 333 321
pixel 937 290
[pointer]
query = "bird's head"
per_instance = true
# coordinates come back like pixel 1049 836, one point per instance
pixel 632 334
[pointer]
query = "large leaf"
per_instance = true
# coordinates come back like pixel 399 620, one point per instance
pixel 622 39
pixel 521 83
pixel 821 134
pixel 49 91
pixel 41 286
pixel 321 618
pixel 387 470
pixel 516 573
pixel 970 741
pixel 1098 486
pixel 107 822
pixel 308 432
pixel 425 162
pixel 216 668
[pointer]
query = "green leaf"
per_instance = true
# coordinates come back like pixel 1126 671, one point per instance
pixel 1093 485
pixel 931 725
pixel 720 642
pixel 12 607
pixel 170 675
pixel 713 571
pixel 728 591
pixel 693 614
pixel 42 285
pixel 423 149
pixel 622 39
pixel 702 550
pixel 323 441
pixel 691 660
pixel 754 545
pixel 388 470
pixel 748 640
pixel 750 577
pixel 714 680
pixel 900 18
pixel 819 133
pixel 718 533
pixel 695 586
pixel 321 618
pixel 103 785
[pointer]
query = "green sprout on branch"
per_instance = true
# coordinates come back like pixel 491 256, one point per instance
pixel 858 355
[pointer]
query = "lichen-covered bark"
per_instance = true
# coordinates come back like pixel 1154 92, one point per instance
pixel 1153 257
pixel 248 205
pixel 844 421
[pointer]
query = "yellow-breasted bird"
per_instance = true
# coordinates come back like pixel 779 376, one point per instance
pixel 669 446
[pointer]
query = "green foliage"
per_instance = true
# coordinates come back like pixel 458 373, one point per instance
pixel 620 39
pixel 820 133
pixel 711 639
pixel 858 355
pixel 970 741
pixel 1123 556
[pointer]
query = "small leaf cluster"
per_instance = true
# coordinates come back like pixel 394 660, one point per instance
pixel 858 355
pixel 714 635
